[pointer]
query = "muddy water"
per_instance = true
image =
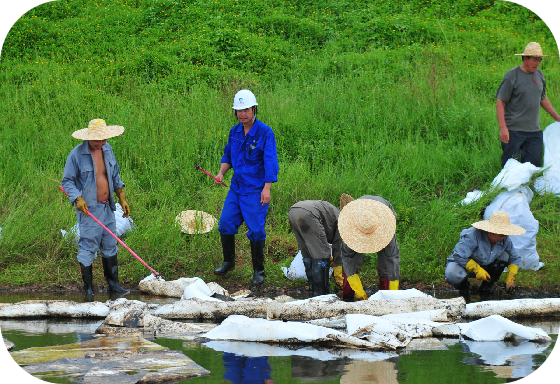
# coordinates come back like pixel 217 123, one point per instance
pixel 440 361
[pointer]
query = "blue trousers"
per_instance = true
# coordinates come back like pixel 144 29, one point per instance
pixel 243 208
pixel 525 147
pixel 93 237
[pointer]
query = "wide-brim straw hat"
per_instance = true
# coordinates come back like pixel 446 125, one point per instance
pixel 195 222
pixel 345 199
pixel 366 226
pixel 98 130
pixel 532 49
pixel 499 224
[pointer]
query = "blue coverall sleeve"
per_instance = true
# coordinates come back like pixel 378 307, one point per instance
pixel 270 158
pixel 69 178
pixel 514 258
pixel 226 158
pixel 465 247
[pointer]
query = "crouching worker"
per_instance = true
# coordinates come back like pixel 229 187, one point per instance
pixel 483 251
pixel 368 225
pixel 91 176
pixel 315 225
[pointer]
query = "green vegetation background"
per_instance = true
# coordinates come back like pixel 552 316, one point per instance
pixel 365 97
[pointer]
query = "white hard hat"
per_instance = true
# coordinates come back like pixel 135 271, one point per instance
pixel 244 99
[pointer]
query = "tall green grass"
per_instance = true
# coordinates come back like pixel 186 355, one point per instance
pixel 365 97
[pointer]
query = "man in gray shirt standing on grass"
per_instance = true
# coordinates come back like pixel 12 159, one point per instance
pixel 522 92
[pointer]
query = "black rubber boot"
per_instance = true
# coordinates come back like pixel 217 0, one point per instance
pixel 320 272
pixel 495 271
pixel 87 277
pixel 463 287
pixel 111 272
pixel 257 254
pixel 228 248
pixel 307 265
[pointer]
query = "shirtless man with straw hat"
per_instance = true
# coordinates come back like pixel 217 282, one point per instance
pixel 91 175
pixel 483 251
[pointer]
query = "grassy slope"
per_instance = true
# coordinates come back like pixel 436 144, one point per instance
pixel 365 97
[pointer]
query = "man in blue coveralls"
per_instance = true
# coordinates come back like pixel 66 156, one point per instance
pixel 251 152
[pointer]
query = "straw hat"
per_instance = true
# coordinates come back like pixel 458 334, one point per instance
pixel 195 222
pixel 98 130
pixel 532 49
pixel 366 225
pixel 499 223
pixel 345 199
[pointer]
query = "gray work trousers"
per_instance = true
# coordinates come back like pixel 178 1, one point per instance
pixel 93 238
pixel 311 237
pixel 388 261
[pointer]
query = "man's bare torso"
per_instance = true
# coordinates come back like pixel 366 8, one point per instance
pixel 100 173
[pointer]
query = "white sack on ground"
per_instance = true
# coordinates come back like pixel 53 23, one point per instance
pixel 397 294
pixel 516 204
pixel 513 175
pixel 297 268
pixel 472 196
pixel 549 182
pixel 514 308
pixel 498 328
pixel 501 352
pixel 250 349
pixel 198 289
pixel 243 328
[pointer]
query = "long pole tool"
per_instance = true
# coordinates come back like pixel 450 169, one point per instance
pixel 198 167
pixel 157 275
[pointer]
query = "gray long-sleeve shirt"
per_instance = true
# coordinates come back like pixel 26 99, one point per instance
pixel 474 244
pixel 79 174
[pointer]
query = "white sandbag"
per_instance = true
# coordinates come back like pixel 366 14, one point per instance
pixel 397 294
pixel 472 196
pixel 198 289
pixel 297 268
pixel 243 328
pixel 497 328
pixel 549 182
pixel 516 204
pixel 513 175
pixel 513 308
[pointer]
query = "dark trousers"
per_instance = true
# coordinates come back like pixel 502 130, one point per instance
pixel 525 147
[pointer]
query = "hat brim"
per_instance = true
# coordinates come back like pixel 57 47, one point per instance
pixel 88 134
pixel 508 230
pixel 526 54
pixel 359 241
pixel 195 222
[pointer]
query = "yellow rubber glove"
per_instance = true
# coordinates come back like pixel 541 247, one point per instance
pixel 126 209
pixel 81 205
pixel 510 278
pixel 481 274
pixel 356 285
pixel 337 271
pixel 394 285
